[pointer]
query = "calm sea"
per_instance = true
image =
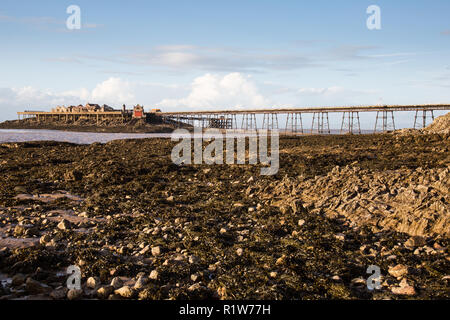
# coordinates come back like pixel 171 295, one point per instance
pixel 23 135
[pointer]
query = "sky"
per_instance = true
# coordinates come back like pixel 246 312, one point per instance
pixel 202 55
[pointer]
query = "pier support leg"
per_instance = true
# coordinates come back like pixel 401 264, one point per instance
pixel 424 117
pixel 352 120
pixel 385 125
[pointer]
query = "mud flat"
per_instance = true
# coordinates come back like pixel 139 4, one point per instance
pixel 140 227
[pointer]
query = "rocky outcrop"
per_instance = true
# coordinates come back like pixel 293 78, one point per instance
pixel 440 125
pixel 411 201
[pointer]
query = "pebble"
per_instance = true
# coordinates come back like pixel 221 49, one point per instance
pixel 195 286
pixel 59 293
pixel 74 294
pixel 398 271
pixel 193 259
pixel 340 236
pixel 239 252
pixel 154 275
pixel 17 280
pixel 280 260
pixel 125 292
pixel 92 282
pixel 34 287
pixel 301 222
pixel 415 241
pixel 64 225
pixel 194 277
pixel 45 239
pixel 116 282
pixel 140 283
pixel 145 250
pixel 104 292
pixel 156 251
pixel 404 289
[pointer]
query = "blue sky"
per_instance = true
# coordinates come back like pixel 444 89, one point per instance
pixel 223 54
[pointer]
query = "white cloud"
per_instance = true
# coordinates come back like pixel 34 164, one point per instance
pixel 206 92
pixel 113 90
pixel 210 91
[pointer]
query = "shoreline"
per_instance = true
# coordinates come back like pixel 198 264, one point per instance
pixel 151 128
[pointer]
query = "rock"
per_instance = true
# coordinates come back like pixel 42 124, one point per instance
pixel 223 231
pixel 358 282
pixel 415 241
pixel 20 189
pixel 104 292
pixel 195 287
pixel 84 214
pixel 4 252
pixel 140 283
pixel 404 289
pixel 145 250
pixel 35 287
pixel 18 280
pixel 280 260
pixel 273 274
pixel 336 278
pixel 19 231
pixel 45 239
pixel 340 236
pixel 239 252
pixel 301 222
pixel 156 251
pixel 125 292
pixel 193 259
pixel 64 225
pixel 154 275
pixel 398 271
pixel 170 199
pixel 222 292
pixel 92 282
pixel 73 175
pixel 116 282
pixel 59 293
pixel 74 294
pixel 195 277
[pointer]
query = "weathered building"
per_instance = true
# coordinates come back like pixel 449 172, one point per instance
pixel 138 111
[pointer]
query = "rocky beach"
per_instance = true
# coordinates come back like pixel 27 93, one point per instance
pixel 140 227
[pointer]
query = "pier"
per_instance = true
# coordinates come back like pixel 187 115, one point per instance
pixel 286 119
